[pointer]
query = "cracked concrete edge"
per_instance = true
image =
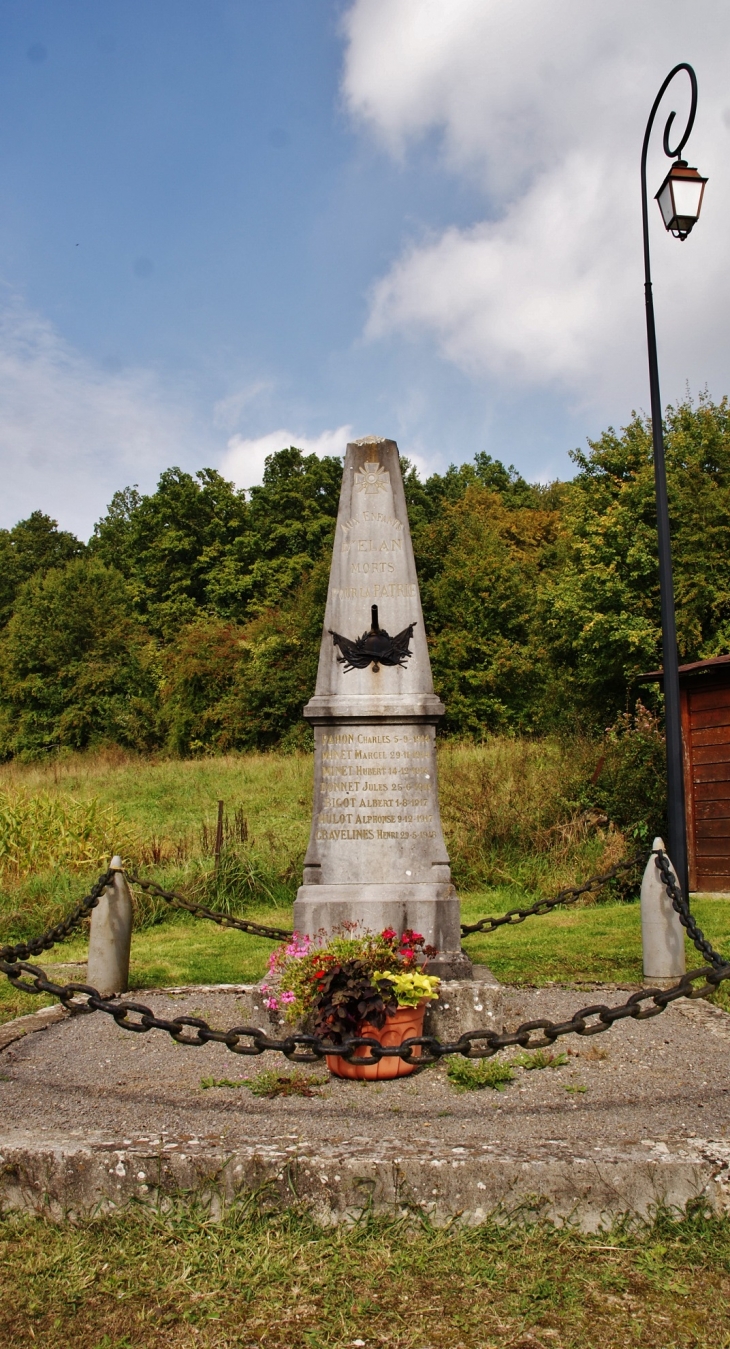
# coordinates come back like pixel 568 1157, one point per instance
pixel 711 1018
pixel 66 1180
pixel 26 1025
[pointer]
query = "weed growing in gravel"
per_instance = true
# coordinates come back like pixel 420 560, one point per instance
pixel 269 1083
pixel 207 1082
pixel 466 1075
pixel 539 1058
pixel 575 1089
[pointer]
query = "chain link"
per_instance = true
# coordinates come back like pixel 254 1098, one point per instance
pixel 223 919
pixel 568 896
pixel 681 907
pixel 35 945
pixel 299 1047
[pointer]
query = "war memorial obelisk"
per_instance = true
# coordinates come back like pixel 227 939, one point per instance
pixel 376 852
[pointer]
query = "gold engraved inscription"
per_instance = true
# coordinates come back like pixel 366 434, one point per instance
pixel 392 590
pixel 371 780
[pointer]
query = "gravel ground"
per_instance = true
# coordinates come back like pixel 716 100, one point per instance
pixel 666 1079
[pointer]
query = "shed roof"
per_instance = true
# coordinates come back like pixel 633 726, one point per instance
pixel 716 664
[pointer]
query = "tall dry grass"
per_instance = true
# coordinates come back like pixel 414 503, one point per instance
pixel 39 832
pixel 514 814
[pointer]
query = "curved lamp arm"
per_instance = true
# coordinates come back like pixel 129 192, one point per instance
pixel 671 154
pixel 670 655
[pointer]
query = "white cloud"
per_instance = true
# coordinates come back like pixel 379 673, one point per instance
pixel 244 459
pixel 71 433
pixel 227 412
pixel 544 106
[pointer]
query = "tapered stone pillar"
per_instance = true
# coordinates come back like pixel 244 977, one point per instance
pixel 376 852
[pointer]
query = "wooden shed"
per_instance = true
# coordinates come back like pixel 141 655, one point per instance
pixel 705 702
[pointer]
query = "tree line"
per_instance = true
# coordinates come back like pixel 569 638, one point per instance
pixel 191 620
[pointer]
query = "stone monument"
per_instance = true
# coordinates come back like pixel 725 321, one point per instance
pixel 376 852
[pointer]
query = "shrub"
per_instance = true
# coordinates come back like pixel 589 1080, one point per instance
pixel 630 778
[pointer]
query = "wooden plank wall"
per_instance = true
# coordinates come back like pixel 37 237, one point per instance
pixel 706 734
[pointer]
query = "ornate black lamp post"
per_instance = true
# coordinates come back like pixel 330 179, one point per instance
pixel 680 200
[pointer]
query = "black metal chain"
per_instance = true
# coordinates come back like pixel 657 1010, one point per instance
pixel 223 919
pixel 302 1048
pixel 35 945
pixel 681 907
pixel 568 896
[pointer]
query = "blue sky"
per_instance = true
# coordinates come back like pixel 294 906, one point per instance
pixel 229 224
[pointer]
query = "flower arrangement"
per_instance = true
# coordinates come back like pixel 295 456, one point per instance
pixel 354 978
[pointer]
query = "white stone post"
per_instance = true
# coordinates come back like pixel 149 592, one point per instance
pixel 111 935
pixel 662 934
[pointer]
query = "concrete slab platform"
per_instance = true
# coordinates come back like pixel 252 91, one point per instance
pixel 92 1116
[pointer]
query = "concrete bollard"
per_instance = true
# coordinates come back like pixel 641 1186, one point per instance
pixel 111 936
pixel 662 934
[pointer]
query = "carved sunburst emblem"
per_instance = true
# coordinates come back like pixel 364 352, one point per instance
pixel 371 479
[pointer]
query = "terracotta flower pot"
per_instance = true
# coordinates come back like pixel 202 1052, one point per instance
pixel 404 1023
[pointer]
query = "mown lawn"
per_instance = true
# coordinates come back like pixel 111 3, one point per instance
pixel 146 1281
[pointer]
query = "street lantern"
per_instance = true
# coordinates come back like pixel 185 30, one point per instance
pixel 680 198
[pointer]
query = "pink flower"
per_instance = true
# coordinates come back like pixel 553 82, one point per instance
pixel 272 1004
pixel 288 996
pixel 298 947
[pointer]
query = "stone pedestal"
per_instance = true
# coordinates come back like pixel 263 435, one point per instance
pixel 463 1005
pixel 662 934
pixel 376 854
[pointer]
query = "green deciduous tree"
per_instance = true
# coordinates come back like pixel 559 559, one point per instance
pixel 31 546
pixel 200 546
pixel 75 667
pixel 600 602
pixel 541 603
pixel 480 563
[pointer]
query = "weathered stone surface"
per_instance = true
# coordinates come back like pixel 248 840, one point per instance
pixel 376 852
pixel 93 1116
pixel 662 934
pixel 67 1179
pixel 464 1004
pixel 27 1025
pixel 110 938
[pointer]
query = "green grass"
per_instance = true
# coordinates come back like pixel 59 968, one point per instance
pixel 506 808
pixel 142 1280
pixel 593 944
pixel 467 1076
pixel 169 798
pixel 599 943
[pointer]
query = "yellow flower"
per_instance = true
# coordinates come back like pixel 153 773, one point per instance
pixel 411 987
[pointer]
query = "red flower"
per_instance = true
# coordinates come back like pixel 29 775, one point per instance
pixel 388 933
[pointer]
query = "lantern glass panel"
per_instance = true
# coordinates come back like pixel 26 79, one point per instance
pixel 666 205
pixel 687 197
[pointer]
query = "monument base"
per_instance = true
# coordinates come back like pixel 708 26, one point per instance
pixel 432 909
